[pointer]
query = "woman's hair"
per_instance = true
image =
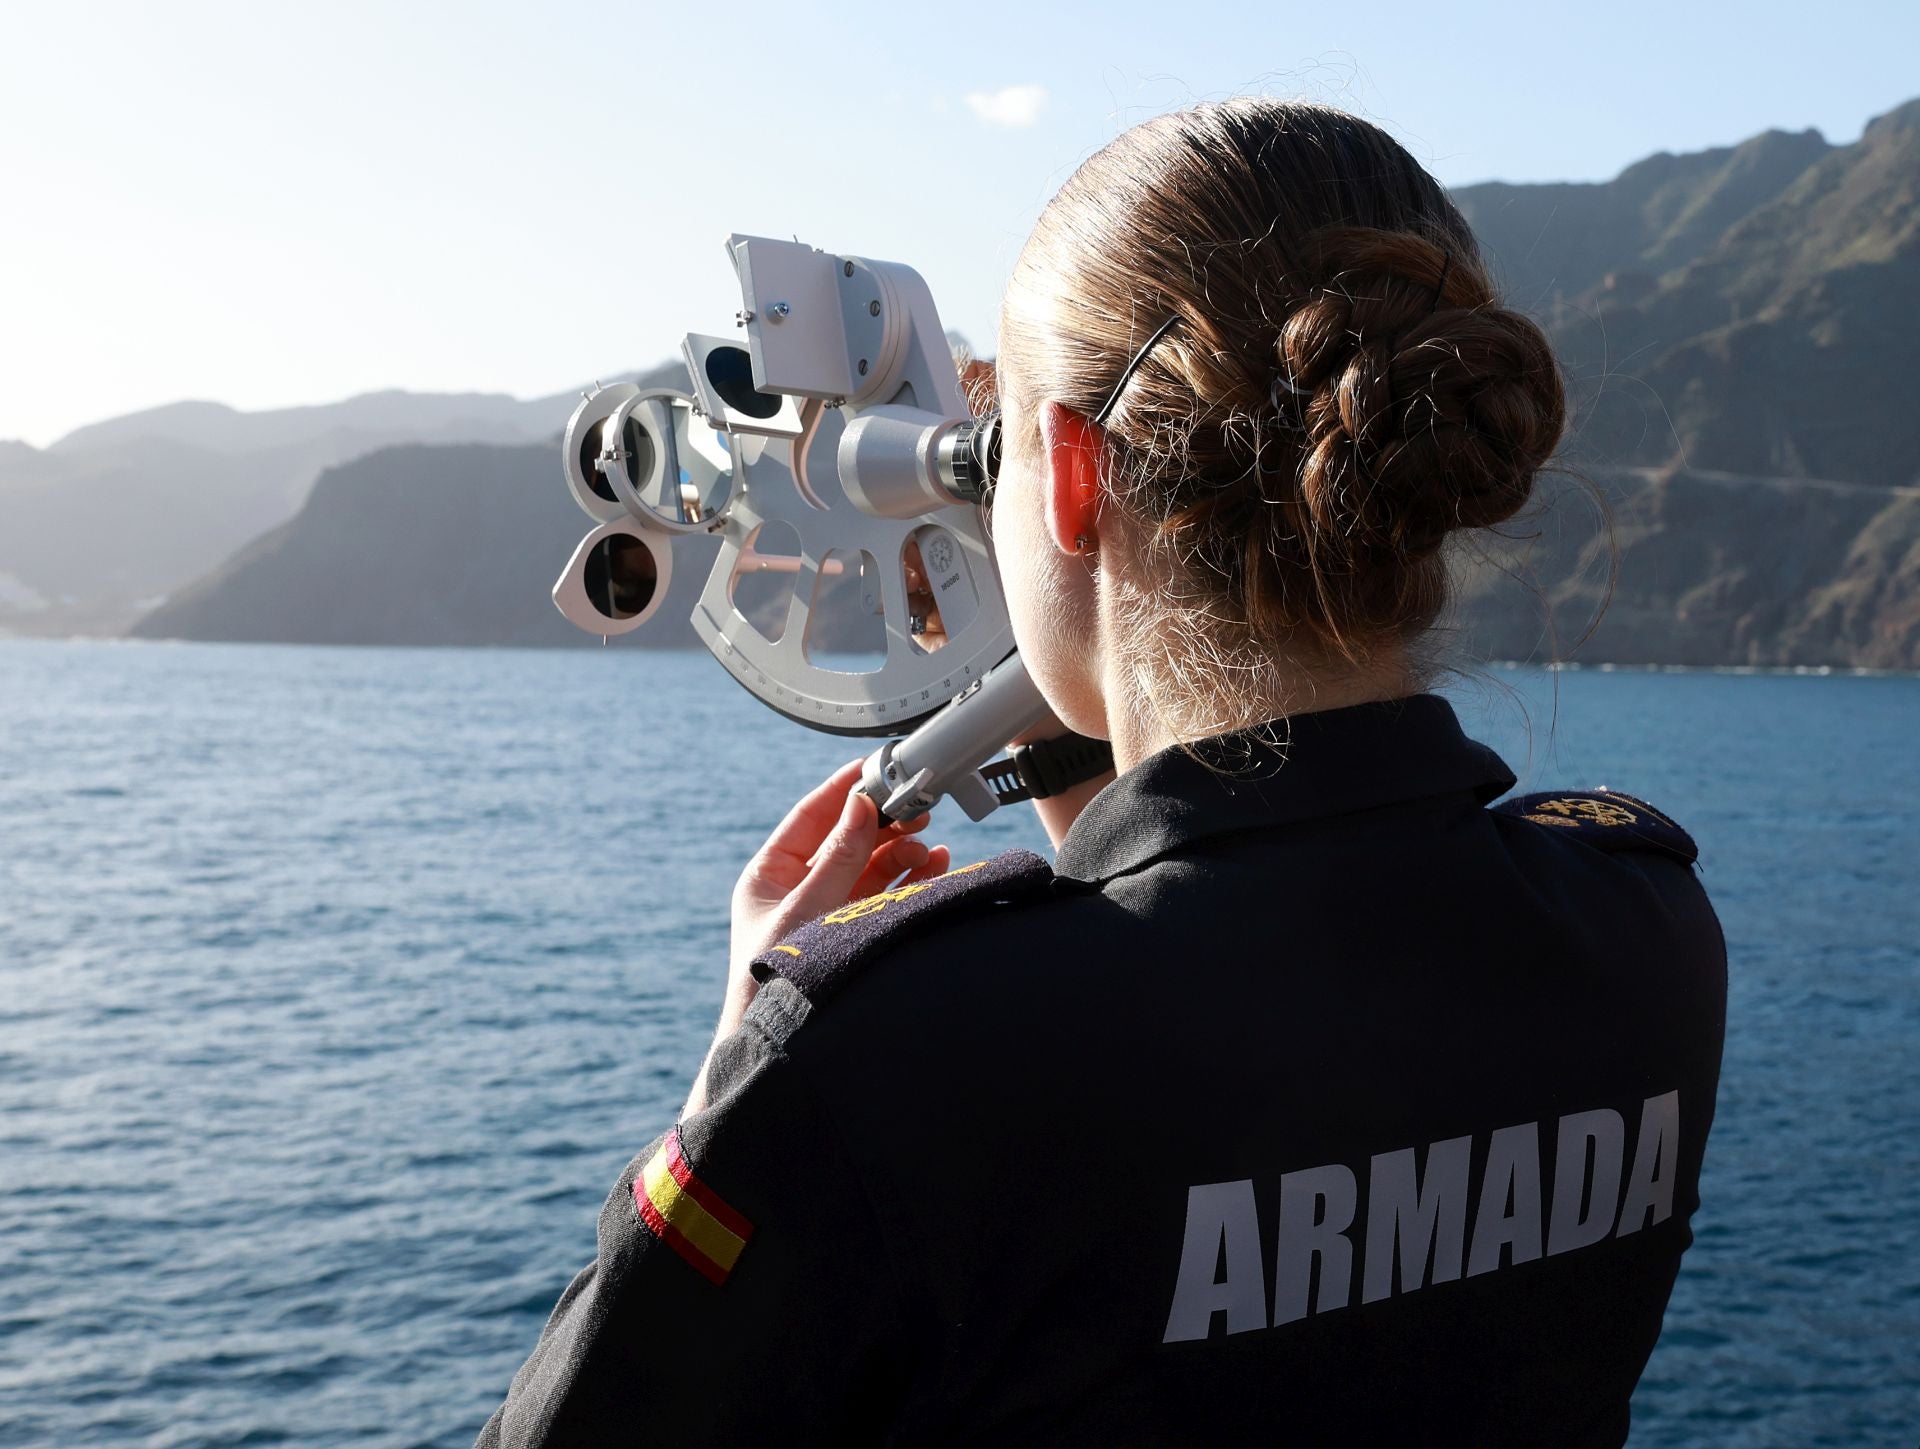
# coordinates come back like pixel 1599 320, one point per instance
pixel 1341 392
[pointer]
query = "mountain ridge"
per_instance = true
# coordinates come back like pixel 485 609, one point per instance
pixel 1778 347
pixel 222 428
pixel 1735 325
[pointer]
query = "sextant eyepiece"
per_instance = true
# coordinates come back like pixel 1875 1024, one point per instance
pixel 970 458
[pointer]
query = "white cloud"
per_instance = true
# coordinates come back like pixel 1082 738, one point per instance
pixel 1015 106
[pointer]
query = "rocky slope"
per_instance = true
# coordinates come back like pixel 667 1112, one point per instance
pixel 413 545
pixel 1749 310
pixel 460 545
pixel 1689 568
pixel 114 517
pixel 446 545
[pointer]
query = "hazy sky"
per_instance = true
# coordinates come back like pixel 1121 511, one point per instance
pixel 276 203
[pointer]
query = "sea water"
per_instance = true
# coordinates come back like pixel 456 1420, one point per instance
pixel 337 987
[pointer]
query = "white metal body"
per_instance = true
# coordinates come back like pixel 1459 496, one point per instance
pixel 822 332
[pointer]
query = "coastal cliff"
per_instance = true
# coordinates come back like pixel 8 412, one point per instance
pixel 1736 326
pixel 460 545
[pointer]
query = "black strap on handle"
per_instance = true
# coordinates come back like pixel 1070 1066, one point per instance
pixel 1047 767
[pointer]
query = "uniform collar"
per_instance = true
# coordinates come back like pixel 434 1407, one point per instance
pixel 1329 763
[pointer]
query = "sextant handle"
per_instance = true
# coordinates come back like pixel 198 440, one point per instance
pixel 909 776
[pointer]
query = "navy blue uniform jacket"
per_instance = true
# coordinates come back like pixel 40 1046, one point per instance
pixel 1306 1098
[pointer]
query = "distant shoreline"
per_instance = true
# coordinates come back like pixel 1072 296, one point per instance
pixel 1570 667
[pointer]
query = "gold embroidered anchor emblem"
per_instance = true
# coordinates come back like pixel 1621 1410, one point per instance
pixel 880 900
pixel 1597 812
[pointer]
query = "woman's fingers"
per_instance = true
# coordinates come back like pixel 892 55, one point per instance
pixel 828 850
pixel 809 822
pixel 939 861
pixel 890 860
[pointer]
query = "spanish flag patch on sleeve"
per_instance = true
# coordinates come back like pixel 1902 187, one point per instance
pixel 687 1215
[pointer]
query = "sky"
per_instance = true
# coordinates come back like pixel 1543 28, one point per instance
pixel 269 204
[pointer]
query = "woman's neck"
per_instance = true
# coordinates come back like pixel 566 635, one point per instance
pixel 1147 712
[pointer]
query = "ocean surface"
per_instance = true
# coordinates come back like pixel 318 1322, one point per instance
pixel 337 986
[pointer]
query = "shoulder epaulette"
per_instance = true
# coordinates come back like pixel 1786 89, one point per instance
pixel 824 954
pixel 1606 818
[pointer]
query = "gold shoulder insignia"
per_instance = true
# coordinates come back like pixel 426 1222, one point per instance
pixel 1585 807
pixel 880 900
pixel 824 954
pixel 1605 818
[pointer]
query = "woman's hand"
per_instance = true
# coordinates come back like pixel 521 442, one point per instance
pixel 828 851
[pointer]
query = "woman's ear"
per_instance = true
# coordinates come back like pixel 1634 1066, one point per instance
pixel 1072 446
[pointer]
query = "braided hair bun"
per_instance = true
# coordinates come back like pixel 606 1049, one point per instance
pixel 1426 406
